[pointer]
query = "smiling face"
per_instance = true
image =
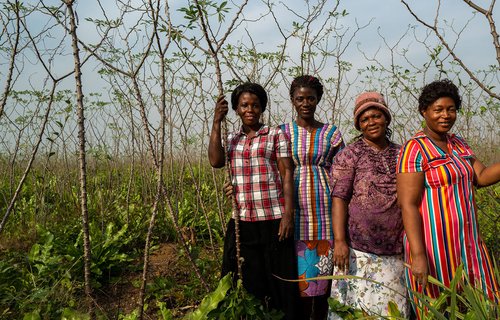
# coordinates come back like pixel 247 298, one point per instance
pixel 373 125
pixel 440 115
pixel 249 110
pixel 305 101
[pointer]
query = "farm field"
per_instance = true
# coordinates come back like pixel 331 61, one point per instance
pixel 41 268
pixel 108 206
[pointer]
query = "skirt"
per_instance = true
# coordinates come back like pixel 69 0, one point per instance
pixel 314 259
pixel 264 258
pixel 369 296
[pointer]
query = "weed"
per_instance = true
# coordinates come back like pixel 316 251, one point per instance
pixel 461 300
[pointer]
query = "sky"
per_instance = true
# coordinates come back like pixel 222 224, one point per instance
pixel 387 18
pixel 387 24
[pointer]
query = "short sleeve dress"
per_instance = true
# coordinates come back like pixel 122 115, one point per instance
pixel 448 213
pixel 312 153
pixel 365 178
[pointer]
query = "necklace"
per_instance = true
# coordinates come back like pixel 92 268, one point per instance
pixel 379 152
pixel 386 166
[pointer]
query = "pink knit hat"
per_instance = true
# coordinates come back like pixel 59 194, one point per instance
pixel 367 100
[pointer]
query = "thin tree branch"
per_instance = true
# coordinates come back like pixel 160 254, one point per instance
pixel 452 52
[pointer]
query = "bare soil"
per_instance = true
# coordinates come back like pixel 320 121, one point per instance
pixel 123 297
pixel 166 262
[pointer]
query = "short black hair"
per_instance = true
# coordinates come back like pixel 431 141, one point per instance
pixel 307 81
pixel 249 87
pixel 438 89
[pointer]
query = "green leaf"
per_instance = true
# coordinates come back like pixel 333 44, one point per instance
pixel 211 301
pixel 33 315
pixel 70 314
pixel 392 309
pixel 165 313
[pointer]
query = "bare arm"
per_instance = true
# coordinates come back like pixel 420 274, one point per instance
pixel 486 176
pixel 339 220
pixel 216 154
pixel 285 167
pixel 410 187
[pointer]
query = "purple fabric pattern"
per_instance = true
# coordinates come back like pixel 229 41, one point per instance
pixel 366 178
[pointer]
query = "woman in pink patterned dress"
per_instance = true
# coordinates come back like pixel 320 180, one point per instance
pixel 367 221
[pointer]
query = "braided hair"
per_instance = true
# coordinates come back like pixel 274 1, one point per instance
pixel 307 81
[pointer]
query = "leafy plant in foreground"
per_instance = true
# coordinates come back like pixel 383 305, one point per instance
pixel 461 300
pixel 231 301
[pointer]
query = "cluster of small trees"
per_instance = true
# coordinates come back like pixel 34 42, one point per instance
pixel 135 81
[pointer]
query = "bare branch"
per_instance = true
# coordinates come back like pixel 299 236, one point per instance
pixel 82 158
pixel 452 52
pixel 489 16
pixel 12 60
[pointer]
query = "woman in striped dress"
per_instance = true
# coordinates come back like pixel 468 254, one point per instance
pixel 437 172
pixel 313 144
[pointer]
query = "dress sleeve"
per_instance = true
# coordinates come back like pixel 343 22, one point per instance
pixel 342 174
pixel 410 158
pixel 337 141
pixel 282 144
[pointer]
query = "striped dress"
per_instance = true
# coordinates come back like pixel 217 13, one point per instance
pixel 312 154
pixel 448 213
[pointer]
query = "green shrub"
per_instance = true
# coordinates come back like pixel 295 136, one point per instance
pixel 488 204
pixel 231 301
pixel 461 300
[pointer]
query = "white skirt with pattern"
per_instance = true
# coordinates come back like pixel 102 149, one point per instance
pixel 367 295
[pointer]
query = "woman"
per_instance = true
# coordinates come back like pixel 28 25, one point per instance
pixel 261 171
pixel 437 172
pixel 367 222
pixel 313 144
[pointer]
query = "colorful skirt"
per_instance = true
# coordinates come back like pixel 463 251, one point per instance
pixel 370 296
pixel 314 259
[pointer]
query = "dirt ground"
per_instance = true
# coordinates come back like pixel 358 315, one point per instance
pixel 122 298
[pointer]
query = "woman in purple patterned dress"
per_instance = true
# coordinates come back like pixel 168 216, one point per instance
pixel 367 222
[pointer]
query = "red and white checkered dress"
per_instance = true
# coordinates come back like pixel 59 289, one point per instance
pixel 255 176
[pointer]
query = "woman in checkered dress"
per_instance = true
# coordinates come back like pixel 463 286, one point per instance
pixel 262 179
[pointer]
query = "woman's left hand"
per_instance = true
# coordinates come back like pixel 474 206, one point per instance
pixel 286 227
pixel 341 255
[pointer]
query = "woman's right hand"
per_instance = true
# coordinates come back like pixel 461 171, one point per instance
pixel 228 188
pixel 341 255
pixel 420 270
pixel 221 109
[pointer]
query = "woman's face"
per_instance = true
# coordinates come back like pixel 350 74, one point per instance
pixel 440 115
pixel 249 109
pixel 305 101
pixel 373 124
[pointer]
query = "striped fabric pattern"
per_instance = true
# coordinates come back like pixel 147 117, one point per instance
pixel 448 213
pixel 312 154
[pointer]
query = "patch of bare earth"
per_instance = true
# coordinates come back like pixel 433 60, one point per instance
pixel 123 297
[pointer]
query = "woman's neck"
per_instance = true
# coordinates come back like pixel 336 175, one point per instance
pixel 440 140
pixel 439 137
pixel 308 124
pixel 252 130
pixel 379 144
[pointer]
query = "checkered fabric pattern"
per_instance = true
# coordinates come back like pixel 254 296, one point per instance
pixel 255 176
